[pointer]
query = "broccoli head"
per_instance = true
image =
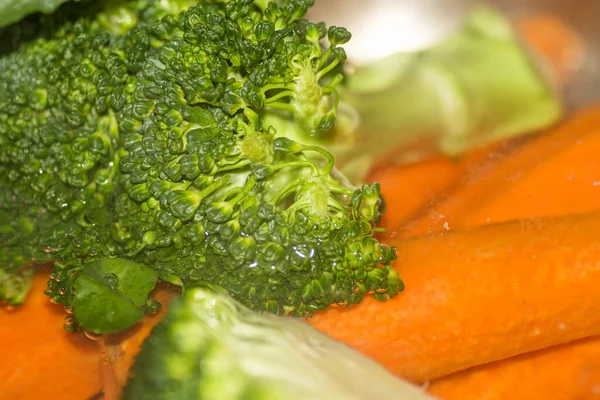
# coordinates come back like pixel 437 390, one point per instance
pixel 133 146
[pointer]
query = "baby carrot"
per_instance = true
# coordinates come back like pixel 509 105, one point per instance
pixel 480 295
pixel 481 187
pixel 409 188
pixel 555 42
pixel 567 182
pixel 40 360
pixel 565 372
pixel 406 188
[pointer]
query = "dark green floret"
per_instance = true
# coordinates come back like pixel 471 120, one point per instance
pixel 133 147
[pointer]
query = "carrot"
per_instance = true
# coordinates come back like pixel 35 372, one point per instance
pixel 407 188
pixel 545 157
pixel 480 295
pixel 565 372
pixel 555 42
pixel 40 360
pixel 568 182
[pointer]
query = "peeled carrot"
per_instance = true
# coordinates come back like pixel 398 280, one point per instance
pixel 571 371
pixel 538 164
pixel 39 359
pixel 408 188
pixel 480 295
pixel 565 372
pixel 567 182
pixel 556 42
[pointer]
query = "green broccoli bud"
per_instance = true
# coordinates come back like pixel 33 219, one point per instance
pixel 150 143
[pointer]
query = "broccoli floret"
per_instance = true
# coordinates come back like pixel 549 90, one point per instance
pixel 138 132
pixel 211 347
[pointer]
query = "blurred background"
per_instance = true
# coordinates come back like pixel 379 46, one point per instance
pixel 584 17
pixel 416 24
pixel 428 76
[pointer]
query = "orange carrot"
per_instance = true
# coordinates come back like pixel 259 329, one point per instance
pixel 556 42
pixel 39 359
pixel 480 295
pixel 408 188
pixel 568 182
pixel 545 154
pixel 565 372
pixel 565 182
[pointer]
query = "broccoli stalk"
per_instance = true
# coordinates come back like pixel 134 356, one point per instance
pixel 209 346
pixel 477 86
pixel 146 140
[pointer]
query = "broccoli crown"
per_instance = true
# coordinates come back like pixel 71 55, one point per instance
pixel 135 130
pixel 210 346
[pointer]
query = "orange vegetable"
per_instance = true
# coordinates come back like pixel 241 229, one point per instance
pixel 565 182
pixel 538 179
pixel 407 189
pixel 556 42
pixel 480 295
pixel 39 359
pixel 566 372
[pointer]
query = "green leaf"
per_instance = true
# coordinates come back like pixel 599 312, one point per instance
pixel 13 10
pixel 110 294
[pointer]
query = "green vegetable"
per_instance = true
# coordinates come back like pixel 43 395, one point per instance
pixel 138 130
pixel 211 347
pixel 477 86
pixel 110 294
pixel 13 10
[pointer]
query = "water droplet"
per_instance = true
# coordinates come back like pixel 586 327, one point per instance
pixel 91 335
pixel 153 306
pixel 112 280
pixel 70 324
